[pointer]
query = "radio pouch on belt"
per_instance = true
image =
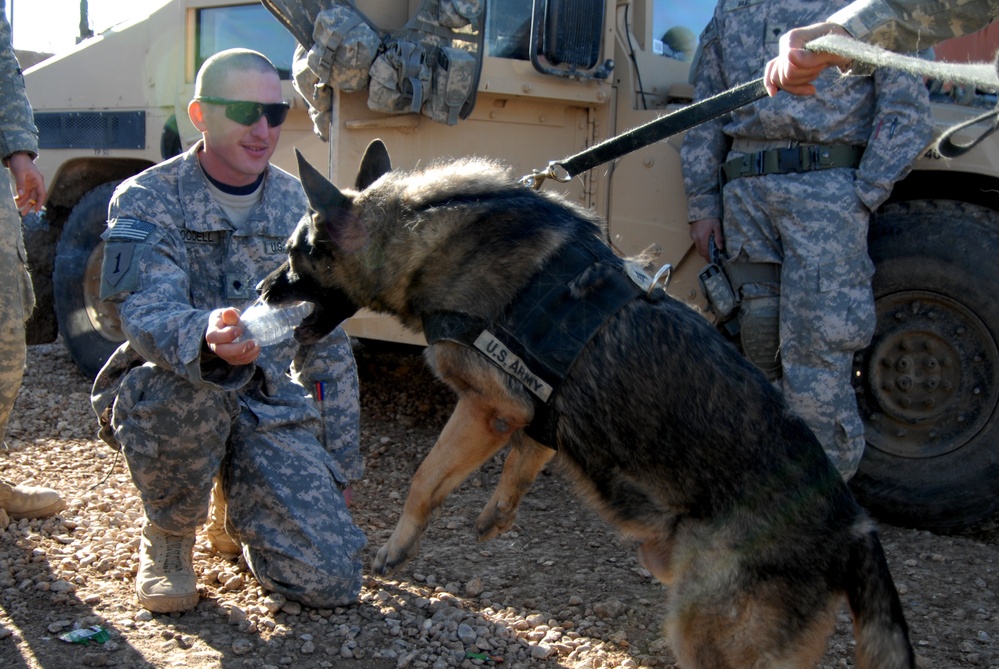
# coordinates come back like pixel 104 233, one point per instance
pixel 717 287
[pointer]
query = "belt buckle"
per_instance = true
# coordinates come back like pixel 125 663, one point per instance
pixel 788 159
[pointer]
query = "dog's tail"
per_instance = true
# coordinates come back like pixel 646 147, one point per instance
pixel 879 626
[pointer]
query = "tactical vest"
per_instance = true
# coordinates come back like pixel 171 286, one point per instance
pixel 430 66
pixel 542 331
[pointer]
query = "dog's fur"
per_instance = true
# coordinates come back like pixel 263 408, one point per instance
pixel 666 429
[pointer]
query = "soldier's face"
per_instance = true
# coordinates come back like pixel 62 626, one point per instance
pixel 237 154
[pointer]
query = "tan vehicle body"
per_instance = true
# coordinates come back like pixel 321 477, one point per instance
pixel 144 71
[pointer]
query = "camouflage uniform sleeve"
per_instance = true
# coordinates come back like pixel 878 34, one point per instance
pixel 912 25
pixel 17 126
pixel 144 273
pixel 706 145
pixel 329 370
pixel 901 131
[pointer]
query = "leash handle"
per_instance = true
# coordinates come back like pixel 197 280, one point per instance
pixel 648 133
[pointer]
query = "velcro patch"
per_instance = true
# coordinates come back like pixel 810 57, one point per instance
pixel 510 363
pixel 130 229
pixel 120 269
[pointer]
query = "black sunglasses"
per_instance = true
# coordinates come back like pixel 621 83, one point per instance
pixel 248 113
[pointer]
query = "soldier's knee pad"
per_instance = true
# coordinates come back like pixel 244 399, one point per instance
pixel 759 330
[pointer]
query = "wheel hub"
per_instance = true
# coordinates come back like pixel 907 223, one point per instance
pixel 927 384
pixel 103 315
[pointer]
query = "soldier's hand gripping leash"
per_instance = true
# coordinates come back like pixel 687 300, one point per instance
pixel 981 75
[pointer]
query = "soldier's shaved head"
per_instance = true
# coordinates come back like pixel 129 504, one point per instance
pixel 211 78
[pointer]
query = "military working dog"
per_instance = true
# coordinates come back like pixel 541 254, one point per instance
pixel 673 436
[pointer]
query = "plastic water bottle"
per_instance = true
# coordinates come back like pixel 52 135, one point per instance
pixel 268 325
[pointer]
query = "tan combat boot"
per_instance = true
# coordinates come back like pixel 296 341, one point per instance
pixel 166 582
pixel 218 536
pixel 25 501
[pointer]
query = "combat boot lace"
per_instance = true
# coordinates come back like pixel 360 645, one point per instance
pixel 166 582
pixel 23 501
pixel 220 538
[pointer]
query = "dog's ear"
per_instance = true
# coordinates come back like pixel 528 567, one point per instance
pixel 324 198
pixel 375 163
pixel 331 208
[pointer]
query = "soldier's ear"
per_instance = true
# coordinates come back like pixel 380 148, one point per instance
pixel 197 114
pixel 374 164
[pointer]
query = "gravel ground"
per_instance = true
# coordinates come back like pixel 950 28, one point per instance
pixel 559 590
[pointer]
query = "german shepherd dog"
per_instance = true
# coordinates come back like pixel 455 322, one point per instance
pixel 673 436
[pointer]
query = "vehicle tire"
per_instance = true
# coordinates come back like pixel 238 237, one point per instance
pixel 928 385
pixel 90 329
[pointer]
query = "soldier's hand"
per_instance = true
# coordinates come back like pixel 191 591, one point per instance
pixel 223 329
pixel 795 67
pixel 28 181
pixel 701 232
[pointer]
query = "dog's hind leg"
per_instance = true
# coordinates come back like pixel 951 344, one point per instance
pixel 523 464
pixel 476 431
pixel 656 555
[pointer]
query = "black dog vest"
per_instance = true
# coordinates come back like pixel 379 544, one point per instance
pixel 539 335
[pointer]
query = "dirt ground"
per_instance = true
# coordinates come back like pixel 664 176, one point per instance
pixel 559 590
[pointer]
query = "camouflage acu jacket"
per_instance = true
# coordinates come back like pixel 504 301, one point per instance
pixel 911 25
pixel 17 125
pixel 888 111
pixel 172 257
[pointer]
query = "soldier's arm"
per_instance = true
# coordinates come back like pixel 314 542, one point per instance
pixel 17 130
pixel 901 131
pixel 145 273
pixel 899 25
pixel 706 145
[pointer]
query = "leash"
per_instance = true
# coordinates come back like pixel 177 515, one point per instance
pixel 649 133
pixel 980 75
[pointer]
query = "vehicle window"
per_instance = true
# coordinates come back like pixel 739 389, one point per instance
pixel 508 28
pixel 247 26
pixel 677 24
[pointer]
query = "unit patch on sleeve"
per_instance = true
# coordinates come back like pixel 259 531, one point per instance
pixel 120 269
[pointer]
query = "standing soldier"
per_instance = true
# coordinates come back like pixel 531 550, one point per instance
pixel 18 148
pixel 268 437
pixel 799 180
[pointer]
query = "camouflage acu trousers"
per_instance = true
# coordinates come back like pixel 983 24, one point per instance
pixel 815 228
pixel 283 501
pixel 16 301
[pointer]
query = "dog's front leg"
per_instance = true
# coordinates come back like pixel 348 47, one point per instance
pixel 523 464
pixel 473 434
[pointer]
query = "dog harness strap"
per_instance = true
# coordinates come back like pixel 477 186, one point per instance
pixel 541 333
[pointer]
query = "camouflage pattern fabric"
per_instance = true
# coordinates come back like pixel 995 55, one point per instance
pixel 813 225
pixel 912 25
pixel 183 416
pixel 17 133
pixel 315 92
pixel 344 50
pixel 460 13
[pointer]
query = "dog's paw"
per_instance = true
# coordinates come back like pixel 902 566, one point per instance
pixel 392 555
pixel 381 566
pixel 494 520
